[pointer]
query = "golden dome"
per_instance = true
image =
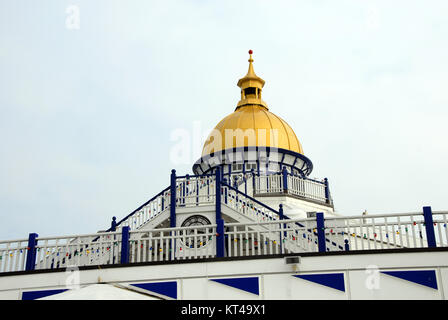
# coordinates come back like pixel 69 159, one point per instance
pixel 251 124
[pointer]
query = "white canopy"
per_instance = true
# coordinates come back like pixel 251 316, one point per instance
pixel 100 292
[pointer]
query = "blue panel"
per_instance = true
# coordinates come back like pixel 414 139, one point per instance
pixel 31 253
pixel 173 199
pixel 332 280
pixel 125 245
pixel 429 226
pixel 424 277
pixel 168 289
pixel 31 295
pixel 320 225
pixel 220 238
pixel 246 284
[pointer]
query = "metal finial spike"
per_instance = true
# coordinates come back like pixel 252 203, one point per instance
pixel 250 56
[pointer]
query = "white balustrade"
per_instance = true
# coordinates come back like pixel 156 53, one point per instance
pixel 13 255
pixel 148 211
pixel 273 237
pixel 82 250
pixel 200 190
pixel 440 219
pixel 298 186
pixel 167 244
pixel 393 231
pixel 269 184
pixel 306 188
pixel 246 205
pixel 266 234
pixel 195 190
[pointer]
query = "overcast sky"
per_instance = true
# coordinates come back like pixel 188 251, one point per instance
pixel 90 107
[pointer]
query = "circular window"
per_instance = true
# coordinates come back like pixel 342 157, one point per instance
pixel 200 239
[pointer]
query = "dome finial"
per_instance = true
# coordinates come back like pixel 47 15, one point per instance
pixel 251 86
pixel 251 71
pixel 251 79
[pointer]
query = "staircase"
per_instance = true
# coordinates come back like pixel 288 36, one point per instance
pixel 239 206
pixel 262 223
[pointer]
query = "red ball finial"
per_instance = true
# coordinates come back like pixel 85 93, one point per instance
pixel 250 52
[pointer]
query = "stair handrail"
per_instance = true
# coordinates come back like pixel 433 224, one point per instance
pixel 251 199
pixel 139 208
pixel 153 198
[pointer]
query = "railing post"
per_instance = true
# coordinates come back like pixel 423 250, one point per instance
pixel 31 253
pixel 280 211
pixel 235 182
pixel 429 225
pixel 282 217
pixel 220 240
pixel 124 245
pixel 113 225
pixel 285 180
pixel 252 171
pixel 320 226
pixel 327 191
pixel 186 189
pixel 173 199
pixel 173 205
pixel 218 194
pixel 346 245
pixel 197 191
pixel 224 180
pixel 219 221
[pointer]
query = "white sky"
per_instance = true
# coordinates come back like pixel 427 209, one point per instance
pixel 86 115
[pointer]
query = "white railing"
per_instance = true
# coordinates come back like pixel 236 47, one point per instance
pixel 81 250
pixel 147 211
pixel 246 205
pixel 200 190
pixel 61 252
pixel 367 232
pixel 307 188
pixel 298 186
pixel 243 183
pixel 441 227
pixel 190 191
pixel 195 190
pixel 258 237
pixel 167 244
pixel 272 237
pixel 13 255
pixel 269 184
